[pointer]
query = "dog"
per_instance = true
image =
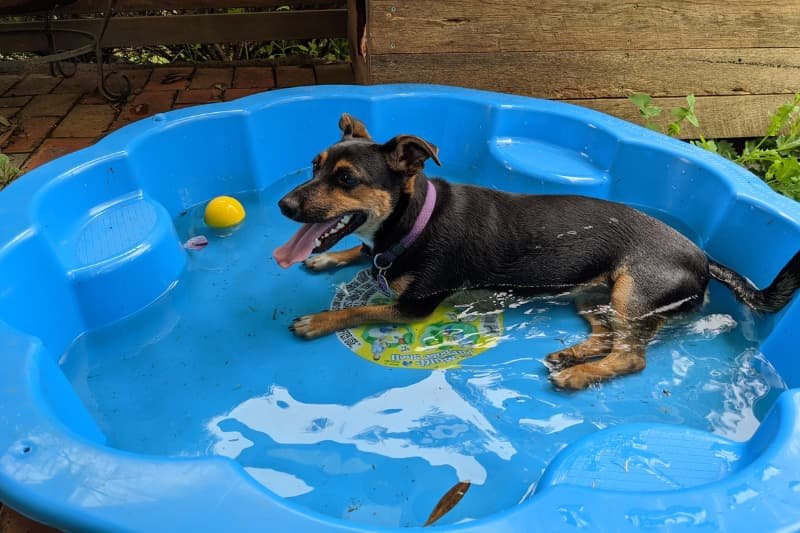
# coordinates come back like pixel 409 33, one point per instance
pixel 428 238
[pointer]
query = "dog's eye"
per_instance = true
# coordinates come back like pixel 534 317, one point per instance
pixel 315 164
pixel 347 179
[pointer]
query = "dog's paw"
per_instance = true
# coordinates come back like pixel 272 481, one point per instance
pixel 560 360
pixel 309 326
pixel 321 262
pixel 572 378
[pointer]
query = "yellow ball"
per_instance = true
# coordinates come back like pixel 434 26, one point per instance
pixel 224 212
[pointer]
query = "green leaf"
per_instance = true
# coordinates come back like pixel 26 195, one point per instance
pixel 650 112
pixel 680 113
pixel 709 145
pixel 726 149
pixel 785 169
pixel 674 129
pixel 780 119
pixel 640 99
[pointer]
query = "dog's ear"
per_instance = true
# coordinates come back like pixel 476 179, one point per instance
pixel 407 153
pixel 352 128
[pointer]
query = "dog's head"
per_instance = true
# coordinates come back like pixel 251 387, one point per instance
pixel 355 187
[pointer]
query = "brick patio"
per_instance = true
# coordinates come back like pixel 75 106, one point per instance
pixel 53 116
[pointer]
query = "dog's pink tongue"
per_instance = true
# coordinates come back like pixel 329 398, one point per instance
pixel 301 244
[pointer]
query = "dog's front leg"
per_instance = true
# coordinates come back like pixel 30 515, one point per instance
pixel 313 326
pixel 327 260
pixel 403 311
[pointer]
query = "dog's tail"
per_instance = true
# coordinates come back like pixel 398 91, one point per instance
pixel 771 299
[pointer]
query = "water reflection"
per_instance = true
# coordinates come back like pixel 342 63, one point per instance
pixel 428 420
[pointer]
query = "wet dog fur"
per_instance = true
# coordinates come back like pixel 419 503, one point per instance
pixel 627 271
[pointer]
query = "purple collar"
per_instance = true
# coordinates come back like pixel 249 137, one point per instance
pixel 384 260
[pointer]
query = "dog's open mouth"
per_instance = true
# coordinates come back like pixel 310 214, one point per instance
pixel 316 238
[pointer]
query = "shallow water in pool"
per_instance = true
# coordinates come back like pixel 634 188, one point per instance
pixel 211 368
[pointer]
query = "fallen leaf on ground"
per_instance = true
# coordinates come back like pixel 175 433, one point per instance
pixel 140 109
pixel 175 76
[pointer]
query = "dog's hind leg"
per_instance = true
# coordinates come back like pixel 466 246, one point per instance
pixel 627 356
pixel 594 308
pixel 630 337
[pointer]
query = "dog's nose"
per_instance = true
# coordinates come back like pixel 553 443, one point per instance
pixel 290 207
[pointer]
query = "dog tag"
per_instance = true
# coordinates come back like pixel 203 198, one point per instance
pixel 383 285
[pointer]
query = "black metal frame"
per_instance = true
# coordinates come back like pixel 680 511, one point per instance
pixel 55 58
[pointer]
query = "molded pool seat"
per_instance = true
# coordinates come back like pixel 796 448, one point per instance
pixel 573 158
pixel 555 164
pixel 645 458
pixel 129 241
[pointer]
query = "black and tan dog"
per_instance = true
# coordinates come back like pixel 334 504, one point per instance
pixel 628 271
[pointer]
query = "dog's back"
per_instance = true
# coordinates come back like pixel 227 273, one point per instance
pixel 549 243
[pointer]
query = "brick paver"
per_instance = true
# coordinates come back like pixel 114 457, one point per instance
pixel 168 79
pixel 86 120
pixel 233 94
pixel 18 160
pixel 254 77
pixel 13 522
pixel 198 96
pixel 30 134
pixel 52 148
pixel 207 78
pixel 143 105
pixel 14 101
pixel 7 80
pixel 82 82
pixel 293 76
pixel 50 105
pixel 138 78
pixel 338 73
pixel 8 112
pixel 6 132
pixel 34 103
pixel 34 84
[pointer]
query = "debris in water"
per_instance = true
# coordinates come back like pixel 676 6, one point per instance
pixel 196 243
pixel 448 501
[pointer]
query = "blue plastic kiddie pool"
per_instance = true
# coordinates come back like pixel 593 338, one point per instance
pixel 147 386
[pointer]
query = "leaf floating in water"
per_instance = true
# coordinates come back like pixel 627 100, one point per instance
pixel 448 501
pixel 196 243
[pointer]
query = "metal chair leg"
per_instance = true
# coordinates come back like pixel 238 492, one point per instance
pixel 124 84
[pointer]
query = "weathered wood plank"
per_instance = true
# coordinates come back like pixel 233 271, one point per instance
pixel 180 29
pixel 95 6
pixel 356 22
pixel 602 74
pixel 422 26
pixel 721 117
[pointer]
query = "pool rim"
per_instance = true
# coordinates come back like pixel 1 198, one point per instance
pixel 22 194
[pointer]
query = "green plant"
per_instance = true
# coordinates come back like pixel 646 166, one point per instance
pixel 8 171
pixel 649 111
pixel 775 157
